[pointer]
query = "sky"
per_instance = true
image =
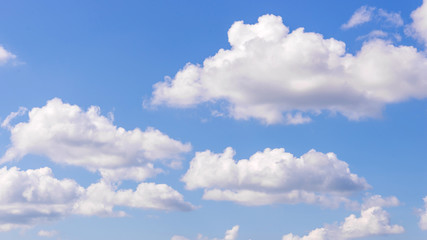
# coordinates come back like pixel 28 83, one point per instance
pixel 213 120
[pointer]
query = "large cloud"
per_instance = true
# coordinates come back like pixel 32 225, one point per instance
pixel 68 135
pixel 274 75
pixel 373 220
pixel 35 196
pixel 273 176
pixel 229 235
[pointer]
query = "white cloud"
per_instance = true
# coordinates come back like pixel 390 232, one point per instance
pixel 418 28
pixel 390 17
pixel 44 233
pixel 33 196
pixel 11 116
pixel 176 237
pixel 68 135
pixel 374 34
pixel 273 176
pixel 423 216
pixel 362 15
pixel 101 198
pixel 372 221
pixel 229 235
pixel 5 56
pixel 271 74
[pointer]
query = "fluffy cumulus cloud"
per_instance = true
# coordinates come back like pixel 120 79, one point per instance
pixel 418 28
pixel 68 135
pixel 33 196
pixel 273 176
pixel 229 235
pixel 373 220
pixel 278 76
pixel 101 198
pixel 423 216
pixel 5 56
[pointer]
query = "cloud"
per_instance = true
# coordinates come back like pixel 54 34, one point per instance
pixel 423 216
pixel 68 135
pixel 44 233
pixel 391 18
pixel 277 76
pixel 11 116
pixel 273 176
pixel 372 221
pixel 229 235
pixel 418 28
pixel 365 14
pixel 5 56
pixel 362 15
pixel 101 198
pixel 34 196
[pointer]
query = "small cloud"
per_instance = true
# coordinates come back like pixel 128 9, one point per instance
pixel 391 17
pixel 5 56
pixel 374 34
pixel 297 119
pixel 44 233
pixel 362 15
pixel 6 123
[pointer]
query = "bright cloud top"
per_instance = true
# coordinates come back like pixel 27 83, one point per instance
pixel 35 196
pixel 270 71
pixel 373 220
pixel 68 135
pixel 5 56
pixel 273 176
pixel 229 235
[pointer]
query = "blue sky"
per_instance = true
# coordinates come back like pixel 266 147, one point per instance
pixel 190 120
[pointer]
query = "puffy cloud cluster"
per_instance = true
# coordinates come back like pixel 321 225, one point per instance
pixel 273 176
pixel 418 28
pixel 68 135
pixel 100 199
pixel 275 76
pixel 373 220
pixel 5 56
pixel 34 196
pixel 229 235
pixel 423 216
